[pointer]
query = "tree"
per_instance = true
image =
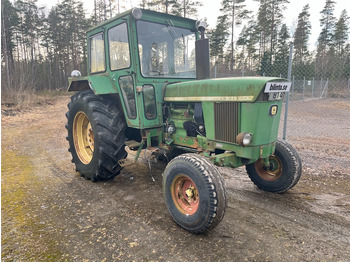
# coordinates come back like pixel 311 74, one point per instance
pixel 39 47
pixel 143 4
pixel 248 40
pixel 9 20
pixel 341 33
pixel 28 27
pixel 339 50
pixel 159 5
pixel 234 12
pixel 218 40
pixel 101 11
pixel 121 6
pixel 282 53
pixel 64 41
pixel 186 8
pixel 327 23
pixel 301 36
pixel 270 16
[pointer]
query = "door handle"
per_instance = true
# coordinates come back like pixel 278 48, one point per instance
pixel 113 78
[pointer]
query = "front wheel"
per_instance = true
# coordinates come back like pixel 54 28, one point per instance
pixel 194 192
pixel 284 171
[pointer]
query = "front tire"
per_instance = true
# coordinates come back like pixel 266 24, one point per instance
pixel 194 192
pixel 96 135
pixel 284 172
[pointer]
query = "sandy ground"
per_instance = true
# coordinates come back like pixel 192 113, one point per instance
pixel 50 213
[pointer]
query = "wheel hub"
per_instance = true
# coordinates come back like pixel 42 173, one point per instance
pixel 190 193
pixel 272 172
pixel 185 195
pixel 90 137
pixel 83 137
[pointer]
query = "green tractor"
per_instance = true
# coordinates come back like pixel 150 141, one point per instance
pixel 149 87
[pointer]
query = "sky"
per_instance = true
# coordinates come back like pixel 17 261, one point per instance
pixel 210 10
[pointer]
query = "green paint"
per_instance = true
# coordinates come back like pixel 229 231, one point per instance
pixel 208 109
pixel 100 84
pixel 226 159
pixel 240 89
pixel 255 119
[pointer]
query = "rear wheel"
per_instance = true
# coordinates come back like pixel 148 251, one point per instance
pixel 284 171
pixel 194 192
pixel 96 135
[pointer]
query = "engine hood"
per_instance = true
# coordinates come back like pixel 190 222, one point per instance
pixel 237 89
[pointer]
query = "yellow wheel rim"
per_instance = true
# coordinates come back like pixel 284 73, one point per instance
pixel 83 137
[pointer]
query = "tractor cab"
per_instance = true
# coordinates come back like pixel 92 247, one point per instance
pixel 136 54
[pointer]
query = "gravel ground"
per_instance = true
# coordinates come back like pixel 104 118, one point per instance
pixel 50 213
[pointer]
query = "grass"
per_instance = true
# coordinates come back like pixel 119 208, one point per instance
pixel 18 100
pixel 22 233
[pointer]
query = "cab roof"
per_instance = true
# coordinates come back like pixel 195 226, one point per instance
pixel 149 15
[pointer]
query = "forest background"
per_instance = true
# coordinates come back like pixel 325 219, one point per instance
pixel 40 46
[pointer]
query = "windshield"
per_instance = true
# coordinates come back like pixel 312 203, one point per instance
pixel 166 51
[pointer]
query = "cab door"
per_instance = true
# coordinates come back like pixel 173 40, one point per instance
pixel 120 68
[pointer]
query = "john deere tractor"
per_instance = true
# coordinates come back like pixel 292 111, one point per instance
pixel 148 88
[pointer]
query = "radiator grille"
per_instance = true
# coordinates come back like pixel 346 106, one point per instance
pixel 226 121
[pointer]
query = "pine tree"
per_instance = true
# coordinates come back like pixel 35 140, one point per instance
pixel 218 40
pixel 263 27
pixel 159 5
pixel 270 16
pixel 186 8
pixel 119 7
pixel 235 12
pixel 64 40
pixel 248 40
pixel 282 53
pixel 168 5
pixel 101 12
pixel 327 23
pixel 339 63
pixel 143 4
pixel 325 48
pixel 301 36
pixel 29 22
pixel 9 21
pixel 41 47
pixel 341 33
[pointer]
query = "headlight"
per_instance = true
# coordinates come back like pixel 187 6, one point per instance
pixel 200 24
pixel 244 139
pixel 75 73
pixel 136 13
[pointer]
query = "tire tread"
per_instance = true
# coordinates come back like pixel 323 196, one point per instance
pixel 215 185
pixel 109 130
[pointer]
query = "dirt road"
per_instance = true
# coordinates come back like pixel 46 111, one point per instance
pixel 50 213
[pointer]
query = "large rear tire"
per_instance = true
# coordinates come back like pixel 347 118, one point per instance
pixel 194 192
pixel 96 135
pixel 284 172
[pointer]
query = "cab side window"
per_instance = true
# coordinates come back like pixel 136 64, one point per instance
pixel 97 54
pixel 128 93
pixel 118 43
pixel 149 101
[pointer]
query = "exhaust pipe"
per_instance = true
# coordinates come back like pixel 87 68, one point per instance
pixel 202 53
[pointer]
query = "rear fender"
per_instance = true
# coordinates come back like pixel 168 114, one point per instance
pixel 100 84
